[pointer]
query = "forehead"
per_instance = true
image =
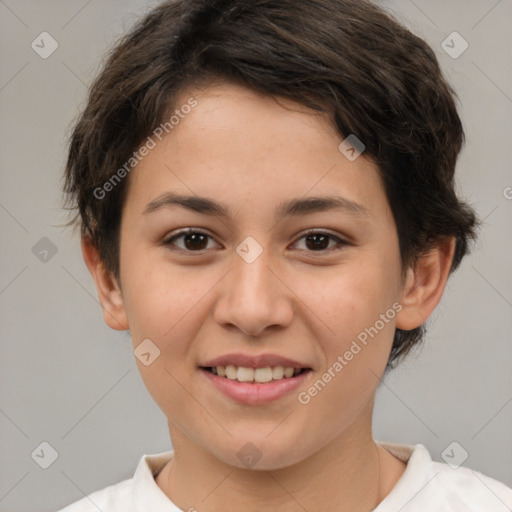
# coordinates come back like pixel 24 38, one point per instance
pixel 245 148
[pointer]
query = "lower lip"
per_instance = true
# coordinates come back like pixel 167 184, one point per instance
pixel 255 394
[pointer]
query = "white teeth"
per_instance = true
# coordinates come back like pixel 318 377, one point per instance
pixel 245 374
pixel 230 372
pixel 288 372
pixel 277 372
pixel 260 375
pixel 263 374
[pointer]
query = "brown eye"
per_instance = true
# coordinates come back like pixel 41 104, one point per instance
pixel 319 241
pixel 193 241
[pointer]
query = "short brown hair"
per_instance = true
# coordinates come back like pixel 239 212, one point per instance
pixel 347 58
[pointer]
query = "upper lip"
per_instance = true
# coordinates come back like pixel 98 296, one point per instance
pixel 253 361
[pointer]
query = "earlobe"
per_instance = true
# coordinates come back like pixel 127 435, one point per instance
pixel 109 292
pixel 424 285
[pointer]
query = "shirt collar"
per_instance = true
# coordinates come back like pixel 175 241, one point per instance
pixel 417 475
pixel 146 495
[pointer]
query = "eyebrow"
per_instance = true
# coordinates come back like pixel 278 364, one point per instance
pixel 293 207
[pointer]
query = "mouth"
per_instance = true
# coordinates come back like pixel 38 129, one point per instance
pixel 255 386
pixel 262 375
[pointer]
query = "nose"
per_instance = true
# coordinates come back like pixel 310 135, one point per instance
pixel 254 297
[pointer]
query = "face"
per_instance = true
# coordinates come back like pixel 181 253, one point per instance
pixel 252 278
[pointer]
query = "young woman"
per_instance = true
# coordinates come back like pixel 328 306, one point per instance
pixel 265 190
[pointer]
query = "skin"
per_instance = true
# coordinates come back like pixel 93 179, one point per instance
pixel 251 152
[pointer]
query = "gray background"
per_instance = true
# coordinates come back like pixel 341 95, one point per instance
pixel 69 380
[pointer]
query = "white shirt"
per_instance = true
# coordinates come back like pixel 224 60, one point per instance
pixel 425 486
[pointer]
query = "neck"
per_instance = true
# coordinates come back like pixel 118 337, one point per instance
pixel 350 472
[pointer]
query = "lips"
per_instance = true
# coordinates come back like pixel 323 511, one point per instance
pixel 253 393
pixel 287 375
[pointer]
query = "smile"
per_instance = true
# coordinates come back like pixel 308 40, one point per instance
pixel 257 375
pixel 251 391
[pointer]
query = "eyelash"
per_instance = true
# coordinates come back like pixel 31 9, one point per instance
pixel 188 231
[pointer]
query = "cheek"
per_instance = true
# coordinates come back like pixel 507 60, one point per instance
pixel 168 305
pixel 161 298
pixel 355 302
pixel 349 298
pixel 166 308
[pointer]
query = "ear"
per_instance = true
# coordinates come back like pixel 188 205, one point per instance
pixel 424 285
pixel 109 292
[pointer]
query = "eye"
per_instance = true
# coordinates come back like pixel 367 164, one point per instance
pixel 193 240
pixel 319 241
pixel 196 241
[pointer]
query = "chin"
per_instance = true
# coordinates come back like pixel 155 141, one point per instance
pixel 261 453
